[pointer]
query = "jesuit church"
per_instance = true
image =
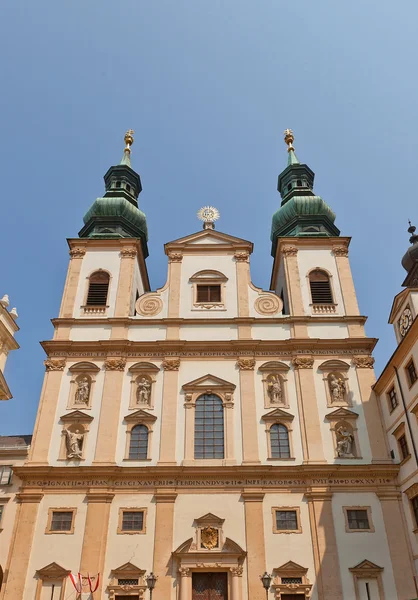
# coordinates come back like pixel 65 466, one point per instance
pixel 209 432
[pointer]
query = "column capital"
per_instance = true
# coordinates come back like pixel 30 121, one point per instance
pixel 289 250
pixel 319 495
pixel 363 362
pixel 302 362
pixel 29 497
pixel 388 495
pixel 165 497
pixel 52 364
pixel 246 364
pixel 185 572
pixel 340 250
pixel 171 364
pixel 253 496
pixel 237 571
pixel 128 253
pixel 241 256
pixel 175 257
pixel 98 496
pixel 115 364
pixel 77 253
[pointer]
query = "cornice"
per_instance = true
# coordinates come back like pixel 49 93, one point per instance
pixel 179 348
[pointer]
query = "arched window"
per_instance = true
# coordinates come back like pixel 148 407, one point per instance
pixel 279 441
pixel 138 445
pixel 320 287
pixel 209 427
pixel 98 288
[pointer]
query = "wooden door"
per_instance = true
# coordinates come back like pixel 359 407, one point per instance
pixel 210 586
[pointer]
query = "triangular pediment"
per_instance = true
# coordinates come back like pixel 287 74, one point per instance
pixel 207 238
pixel 140 415
pixel 366 566
pixel 278 414
pixel 397 304
pixel 127 568
pixel 77 415
pixel 341 413
pixel 229 548
pixel 291 567
pixel 209 518
pixel 53 570
pixel 207 382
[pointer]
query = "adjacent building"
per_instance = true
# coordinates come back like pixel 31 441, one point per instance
pixel 210 431
pixel 8 328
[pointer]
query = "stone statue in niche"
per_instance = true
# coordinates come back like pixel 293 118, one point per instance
pixel 74 443
pixel 345 441
pixel 83 391
pixel 274 389
pixel 143 392
pixel 337 388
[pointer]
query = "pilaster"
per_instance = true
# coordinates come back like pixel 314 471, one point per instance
pixel 243 280
pixel 126 275
pixel 174 278
pixel 256 552
pixel 250 453
pixel 291 269
pixel 72 282
pixel 163 545
pixel 169 411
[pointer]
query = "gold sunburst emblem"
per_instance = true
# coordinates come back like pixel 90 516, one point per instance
pixel 209 537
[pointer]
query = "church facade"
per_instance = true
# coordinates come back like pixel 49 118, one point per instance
pixel 209 431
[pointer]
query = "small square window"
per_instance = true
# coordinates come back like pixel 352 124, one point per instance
pixel 411 373
pixel 403 447
pixel 358 519
pixel 208 293
pixel 393 399
pixel 5 475
pixel 62 520
pixel 286 520
pixel 133 520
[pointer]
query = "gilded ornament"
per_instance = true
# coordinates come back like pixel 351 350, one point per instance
pixel 209 538
pixel 115 364
pixel 303 362
pixel 246 364
pixel 340 250
pixel 129 140
pixel 149 305
pixel 171 364
pixel 268 304
pixel 128 253
pixel 52 364
pixel 77 253
pixel 289 250
pixel 363 362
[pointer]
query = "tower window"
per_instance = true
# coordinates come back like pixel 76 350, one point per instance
pixel 320 287
pixel 208 293
pixel 289 187
pixel 209 427
pixel 118 184
pixel 128 187
pixel 138 446
pixel 299 182
pixel 279 441
pixel 98 289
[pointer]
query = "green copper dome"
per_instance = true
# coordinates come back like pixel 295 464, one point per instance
pixel 117 213
pixel 302 213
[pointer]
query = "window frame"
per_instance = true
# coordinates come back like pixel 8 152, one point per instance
pixel 390 398
pixel 294 509
pixel 132 509
pixel 203 398
pixel 139 427
pixel 410 379
pixel 403 447
pixel 60 509
pixel 414 513
pixel 272 448
pixel 9 480
pixel 368 510
pixel 208 277
pixel 398 434
pixel 96 308
pixel 139 417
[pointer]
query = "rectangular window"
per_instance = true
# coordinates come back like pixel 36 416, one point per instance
pixel 62 520
pixel 414 503
pixel 411 373
pixel 208 293
pixel 358 519
pixel 403 447
pixel 288 580
pixel 1 512
pixel 286 520
pixel 133 520
pixel 5 475
pixel 393 400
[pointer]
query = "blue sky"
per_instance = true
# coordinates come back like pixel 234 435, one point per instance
pixel 208 87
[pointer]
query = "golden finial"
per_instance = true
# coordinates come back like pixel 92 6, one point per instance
pixel 288 138
pixel 129 140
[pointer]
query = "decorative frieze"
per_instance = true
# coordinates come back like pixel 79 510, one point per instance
pixel 302 362
pixel 246 364
pixel 115 364
pixel 363 362
pixel 289 250
pixel 128 253
pixel 52 364
pixel 77 252
pixel 171 364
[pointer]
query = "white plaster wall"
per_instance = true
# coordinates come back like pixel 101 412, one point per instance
pixel 94 259
pixel 192 264
pixel 62 409
pixel 283 547
pixel 356 407
pixel 414 302
pixel 311 258
pixel 136 548
pixel 211 332
pixel 125 410
pixel 193 369
pixel 147 333
pixel 274 331
pixel 329 331
pixel 64 549
pixel 230 507
pixel 90 333
pixel 293 410
pixel 355 547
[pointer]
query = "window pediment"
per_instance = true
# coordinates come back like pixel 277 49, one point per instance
pixel 84 367
pixel 366 567
pixel 77 416
pixel 229 547
pixel 53 571
pixel 128 570
pixel 277 415
pixel 334 365
pixel 208 276
pixel 341 413
pixel 208 383
pixel 140 415
pixel 209 519
pixel 144 367
pixel 274 365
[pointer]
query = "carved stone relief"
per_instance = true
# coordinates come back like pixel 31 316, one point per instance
pixel 82 394
pixel 246 364
pixel 274 389
pixel 143 391
pixel 149 305
pixel 115 364
pixel 268 304
pixel 74 443
pixel 52 364
pixel 337 387
pixel 345 440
